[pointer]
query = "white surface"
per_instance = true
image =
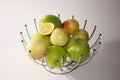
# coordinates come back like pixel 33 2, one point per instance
pixel 16 65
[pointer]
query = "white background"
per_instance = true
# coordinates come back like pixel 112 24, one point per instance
pixel 15 63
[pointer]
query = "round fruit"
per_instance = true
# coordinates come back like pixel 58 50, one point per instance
pixel 59 37
pixel 37 47
pixel 77 48
pixel 55 56
pixel 83 34
pixel 44 37
pixel 51 19
pixel 71 26
pixel 46 28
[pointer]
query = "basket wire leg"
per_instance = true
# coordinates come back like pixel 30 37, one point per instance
pixel 62 61
pixel 23 39
pixel 36 25
pixel 92 33
pixel 96 41
pixel 27 31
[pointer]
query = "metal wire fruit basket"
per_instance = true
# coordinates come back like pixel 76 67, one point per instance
pixel 69 65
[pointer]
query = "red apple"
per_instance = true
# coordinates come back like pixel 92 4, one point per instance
pixel 71 25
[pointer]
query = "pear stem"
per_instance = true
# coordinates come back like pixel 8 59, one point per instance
pixel 35 25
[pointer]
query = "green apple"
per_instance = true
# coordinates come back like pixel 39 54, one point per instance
pixel 71 25
pixel 59 37
pixel 77 48
pixel 56 56
pixel 51 19
pixel 37 47
pixel 81 33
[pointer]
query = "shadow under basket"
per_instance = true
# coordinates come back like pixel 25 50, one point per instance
pixel 69 65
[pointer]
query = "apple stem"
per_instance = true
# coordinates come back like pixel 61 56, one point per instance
pixel 23 39
pixel 27 31
pixel 96 41
pixel 73 16
pixel 35 25
pixel 58 15
pixel 85 24
pixel 92 33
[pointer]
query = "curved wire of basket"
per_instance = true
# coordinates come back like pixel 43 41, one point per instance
pixel 69 65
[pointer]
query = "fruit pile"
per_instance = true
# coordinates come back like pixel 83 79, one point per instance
pixel 58 41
